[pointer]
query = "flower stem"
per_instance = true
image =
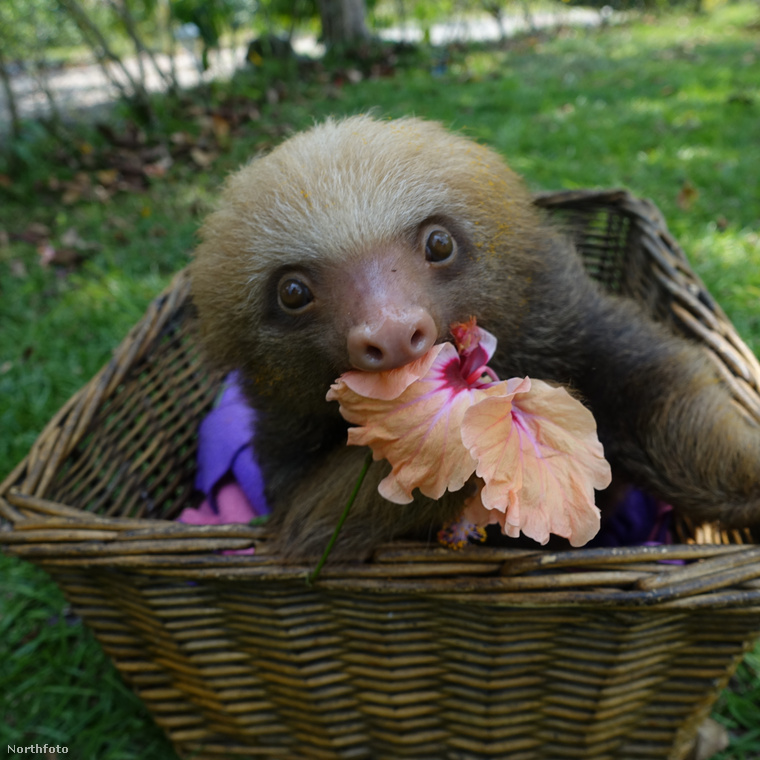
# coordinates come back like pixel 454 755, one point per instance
pixel 314 574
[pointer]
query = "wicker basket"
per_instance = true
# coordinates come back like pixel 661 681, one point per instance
pixel 424 653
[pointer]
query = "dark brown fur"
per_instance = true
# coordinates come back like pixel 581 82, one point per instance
pixel 348 194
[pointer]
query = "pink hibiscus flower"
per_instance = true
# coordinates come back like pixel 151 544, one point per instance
pixel 446 418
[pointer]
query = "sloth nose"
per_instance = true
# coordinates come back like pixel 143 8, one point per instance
pixel 394 342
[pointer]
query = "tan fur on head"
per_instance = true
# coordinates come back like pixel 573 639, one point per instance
pixel 328 195
pixel 326 180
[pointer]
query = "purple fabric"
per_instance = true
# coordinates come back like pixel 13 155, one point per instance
pixel 638 520
pixel 225 449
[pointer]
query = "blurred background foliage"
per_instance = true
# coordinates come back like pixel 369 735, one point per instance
pixel 38 35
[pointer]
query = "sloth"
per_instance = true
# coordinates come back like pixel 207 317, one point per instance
pixel 355 245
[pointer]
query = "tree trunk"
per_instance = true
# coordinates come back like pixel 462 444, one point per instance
pixel 121 9
pixel 10 97
pixel 103 53
pixel 171 43
pixel 39 74
pixel 344 22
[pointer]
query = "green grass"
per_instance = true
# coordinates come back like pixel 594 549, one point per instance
pixel 652 105
pixel 57 687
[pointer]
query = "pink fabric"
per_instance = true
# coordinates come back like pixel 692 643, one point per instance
pixel 233 507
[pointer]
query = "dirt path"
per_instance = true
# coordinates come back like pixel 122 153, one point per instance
pixel 84 90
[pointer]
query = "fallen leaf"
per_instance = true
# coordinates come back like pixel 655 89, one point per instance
pixel 159 168
pixel 72 239
pixel 18 269
pixel 101 194
pixel 181 138
pixel 75 189
pixel 220 127
pixel 64 257
pixel 118 223
pixel 712 737
pixel 107 177
pixel 202 158
pixel 687 195
pixel 35 232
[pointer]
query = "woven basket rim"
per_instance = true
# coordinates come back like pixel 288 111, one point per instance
pixel 676 576
pixel 58 535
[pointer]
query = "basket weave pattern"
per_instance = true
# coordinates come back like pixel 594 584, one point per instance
pixel 422 653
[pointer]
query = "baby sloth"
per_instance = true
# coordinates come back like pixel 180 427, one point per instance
pixel 355 245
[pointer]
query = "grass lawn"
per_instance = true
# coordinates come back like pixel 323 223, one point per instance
pixel 668 107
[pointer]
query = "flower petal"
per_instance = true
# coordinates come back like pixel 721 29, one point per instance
pixel 390 384
pixel 419 431
pixel 476 346
pixel 468 336
pixel 539 456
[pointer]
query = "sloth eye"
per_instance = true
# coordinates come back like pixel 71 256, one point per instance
pixel 294 294
pixel 439 246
